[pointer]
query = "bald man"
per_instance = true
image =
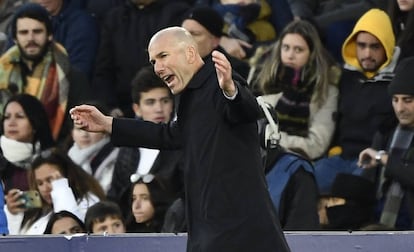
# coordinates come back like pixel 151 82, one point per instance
pixel 227 204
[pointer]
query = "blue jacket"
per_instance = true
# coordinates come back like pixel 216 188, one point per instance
pixel 3 219
pixel 78 32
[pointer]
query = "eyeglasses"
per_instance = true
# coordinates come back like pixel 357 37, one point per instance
pixel 146 178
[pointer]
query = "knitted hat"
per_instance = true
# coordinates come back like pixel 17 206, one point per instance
pixel 403 83
pixel 33 11
pixel 355 188
pixel 209 18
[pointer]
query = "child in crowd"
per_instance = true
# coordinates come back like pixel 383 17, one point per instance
pixel 104 217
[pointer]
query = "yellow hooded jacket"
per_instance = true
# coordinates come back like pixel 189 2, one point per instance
pixel 378 23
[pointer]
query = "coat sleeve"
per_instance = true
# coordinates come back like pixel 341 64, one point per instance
pixel 321 129
pixel 243 109
pixel 138 133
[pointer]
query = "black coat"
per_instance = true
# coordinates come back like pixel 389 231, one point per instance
pixel 227 204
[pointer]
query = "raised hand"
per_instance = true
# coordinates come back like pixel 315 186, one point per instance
pixel 224 73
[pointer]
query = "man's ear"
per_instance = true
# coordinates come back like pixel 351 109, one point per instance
pixel 191 54
pixel 50 37
pixel 136 109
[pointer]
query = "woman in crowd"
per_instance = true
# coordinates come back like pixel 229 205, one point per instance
pixel 149 204
pixel 298 78
pixel 62 185
pixel 64 222
pixel 24 133
pixel 402 17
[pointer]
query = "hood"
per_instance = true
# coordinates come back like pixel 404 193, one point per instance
pixel 378 23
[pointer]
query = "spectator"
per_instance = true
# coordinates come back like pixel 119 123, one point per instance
pixel 299 79
pixel 391 155
pixel 152 101
pixel 64 222
pixel 126 32
pixel 38 66
pixel 104 217
pixel 280 16
pixel 402 18
pixel 76 30
pixel 364 104
pixel 149 204
pixel 94 152
pixel 206 27
pixel 349 205
pixel 25 132
pixel 62 186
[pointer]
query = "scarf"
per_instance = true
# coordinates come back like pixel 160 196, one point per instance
pixel 83 157
pixel 401 141
pixel 18 153
pixel 293 106
pixel 48 81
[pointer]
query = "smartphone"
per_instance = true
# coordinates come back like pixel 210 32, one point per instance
pixel 31 199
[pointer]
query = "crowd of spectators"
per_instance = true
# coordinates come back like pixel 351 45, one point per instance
pixel 322 67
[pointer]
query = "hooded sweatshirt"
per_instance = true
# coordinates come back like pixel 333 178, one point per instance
pixel 377 23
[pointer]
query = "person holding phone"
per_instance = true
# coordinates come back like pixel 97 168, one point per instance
pixel 62 185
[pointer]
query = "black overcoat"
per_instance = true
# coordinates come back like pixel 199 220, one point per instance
pixel 227 203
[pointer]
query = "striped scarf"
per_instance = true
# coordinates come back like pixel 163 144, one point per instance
pixel 293 106
pixel 48 81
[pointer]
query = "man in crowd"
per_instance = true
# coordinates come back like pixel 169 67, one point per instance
pixel 364 106
pixel 392 151
pixel 40 67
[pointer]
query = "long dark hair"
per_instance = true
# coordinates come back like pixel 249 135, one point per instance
pixel 37 116
pixel 60 215
pixel 160 199
pixel 79 180
pixel 403 35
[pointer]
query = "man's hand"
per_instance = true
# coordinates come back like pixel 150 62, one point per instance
pixel 224 73
pixel 367 158
pixel 89 118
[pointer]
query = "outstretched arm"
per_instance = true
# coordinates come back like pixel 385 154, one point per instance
pixel 89 118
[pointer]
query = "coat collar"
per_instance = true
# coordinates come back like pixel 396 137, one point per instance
pixel 201 76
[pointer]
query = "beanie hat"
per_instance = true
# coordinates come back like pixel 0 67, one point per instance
pixel 403 83
pixel 209 18
pixel 33 11
pixel 354 188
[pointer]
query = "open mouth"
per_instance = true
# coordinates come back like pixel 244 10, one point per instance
pixel 168 78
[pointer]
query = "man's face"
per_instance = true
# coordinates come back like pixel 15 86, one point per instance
pixel 156 105
pixel 52 6
pixel 404 109
pixel 31 38
pixel 170 59
pixel 206 41
pixel 370 52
